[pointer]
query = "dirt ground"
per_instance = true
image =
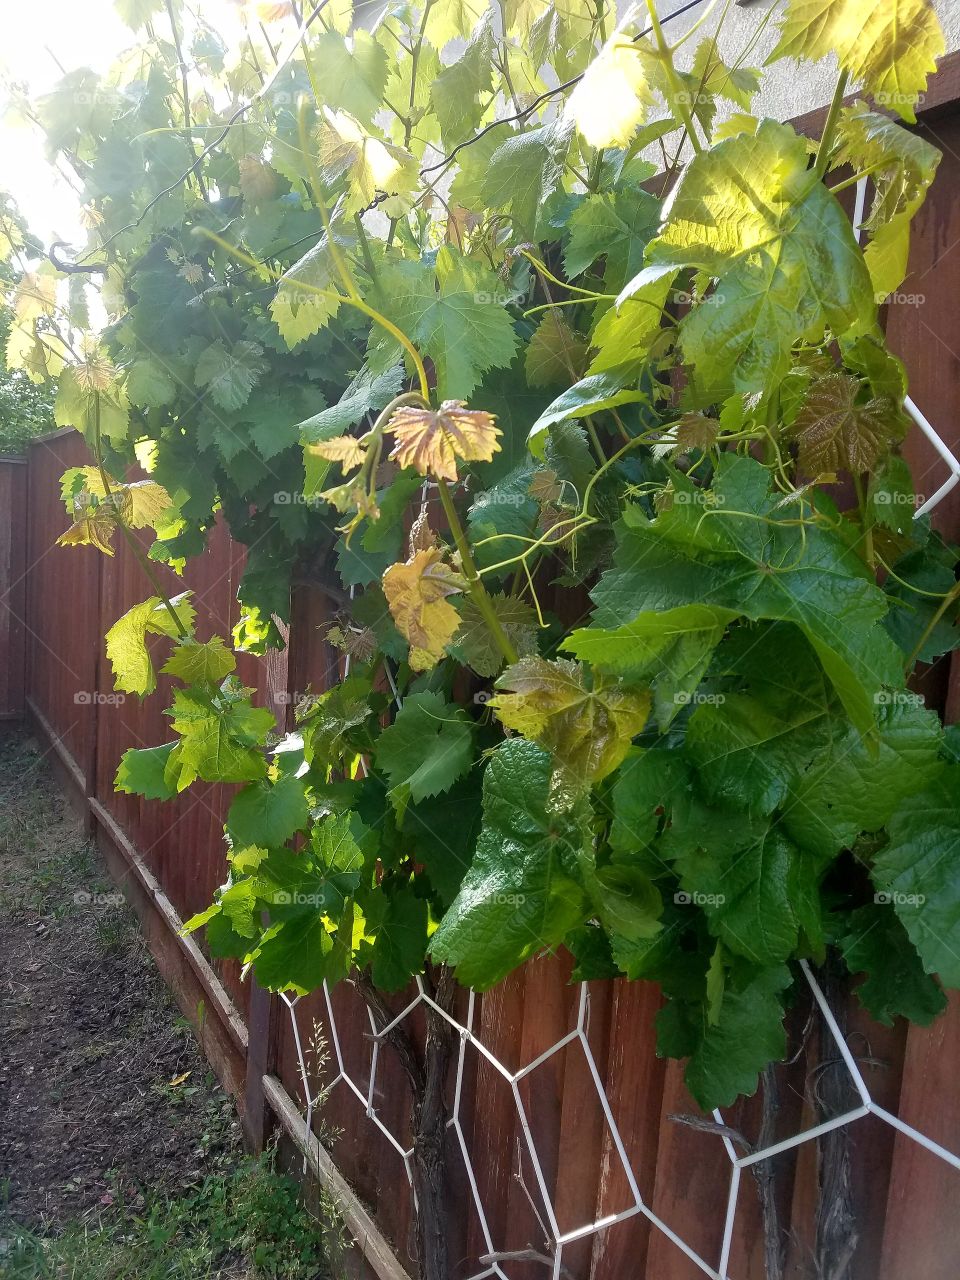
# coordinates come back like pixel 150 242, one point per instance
pixel 103 1090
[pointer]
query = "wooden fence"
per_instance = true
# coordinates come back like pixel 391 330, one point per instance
pixel 54 608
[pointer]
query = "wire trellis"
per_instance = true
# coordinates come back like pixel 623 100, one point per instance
pixel 491 1262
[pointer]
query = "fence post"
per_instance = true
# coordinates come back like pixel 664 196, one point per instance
pixel 263 1030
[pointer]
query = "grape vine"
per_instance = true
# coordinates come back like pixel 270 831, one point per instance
pixel 580 400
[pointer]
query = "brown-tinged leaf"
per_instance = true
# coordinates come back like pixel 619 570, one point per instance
pixel 258 181
pixel 347 450
pixel 431 440
pixel 587 729
pixel 834 432
pixel 417 593
pixel 697 431
pixel 93 529
pixel 545 486
pixel 422 537
pixel 357 642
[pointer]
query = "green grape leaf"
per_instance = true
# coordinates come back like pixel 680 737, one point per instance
pixel 308 295
pixel 141 773
pixel 890 49
pixel 725 1059
pixel 626 332
pixel 750 881
pixel 669 648
pixel 221 736
pixel 613 96
pixel 524 172
pixel 364 393
pixel 354 71
pixel 400 924
pixel 902 165
pixel 200 663
pixel 463 326
pixel 443 832
pixel 613 225
pixel 126 641
pixel 895 984
pixel 229 375
pixel 149 384
pixel 849 788
pixel 522 892
pixel 457 90
pixel 781 248
pixel 426 749
pixel 589 395
pixel 915 873
pixel 555 354
pixel 473 644
pixel 347 151
pixel 336 724
pixel 764 568
pixel 268 814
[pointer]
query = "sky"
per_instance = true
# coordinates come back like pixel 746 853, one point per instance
pixel 41 41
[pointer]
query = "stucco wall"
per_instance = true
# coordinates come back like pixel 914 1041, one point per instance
pixel 785 94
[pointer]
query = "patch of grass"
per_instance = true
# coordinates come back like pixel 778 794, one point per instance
pixel 242 1223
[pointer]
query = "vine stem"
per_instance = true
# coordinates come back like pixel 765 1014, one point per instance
pixel 928 630
pixel 830 128
pixel 331 294
pixel 477 590
pixel 666 57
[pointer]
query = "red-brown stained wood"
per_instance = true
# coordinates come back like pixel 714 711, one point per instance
pixel 13 493
pixel 633 1079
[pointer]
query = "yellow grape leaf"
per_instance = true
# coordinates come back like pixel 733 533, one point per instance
pixel 346 149
pixel 613 96
pixel 588 730
pixel 142 503
pixel 417 594
pixel 347 450
pixel 92 529
pixel 177 1080
pixel 889 48
pixel 431 440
